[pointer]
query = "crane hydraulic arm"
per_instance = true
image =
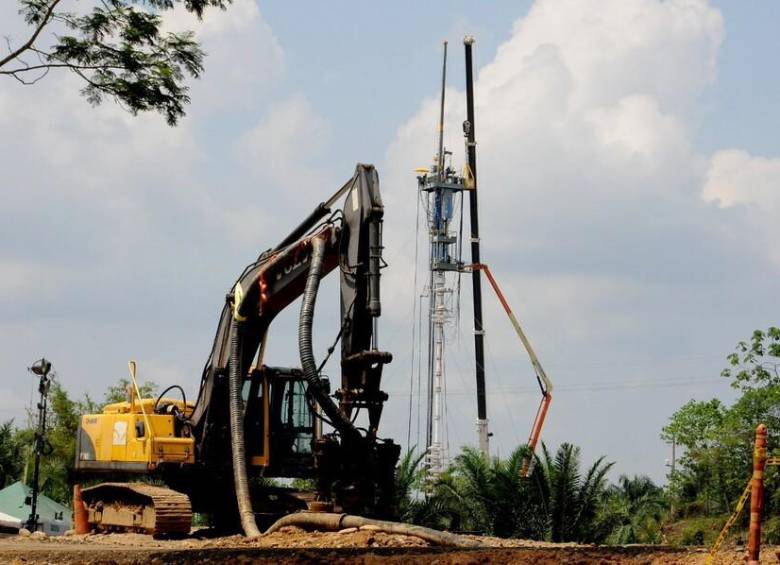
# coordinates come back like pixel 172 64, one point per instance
pixel 545 384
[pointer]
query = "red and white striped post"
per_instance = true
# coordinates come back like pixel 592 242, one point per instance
pixel 757 495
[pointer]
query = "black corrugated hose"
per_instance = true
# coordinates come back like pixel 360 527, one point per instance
pixel 308 364
pixel 237 433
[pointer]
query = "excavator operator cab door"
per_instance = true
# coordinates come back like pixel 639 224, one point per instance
pixel 280 423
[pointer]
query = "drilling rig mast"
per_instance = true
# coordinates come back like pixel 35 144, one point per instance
pixel 440 187
pixel 443 189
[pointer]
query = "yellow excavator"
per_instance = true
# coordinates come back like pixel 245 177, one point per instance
pixel 156 461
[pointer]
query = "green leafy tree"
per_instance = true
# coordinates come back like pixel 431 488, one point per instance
pixel 558 501
pixel 418 500
pixel 755 364
pixel 11 454
pixel 119 391
pixel 57 461
pixel 634 511
pixel 717 439
pixel 573 498
pixel 474 484
pixel 116 47
pixel 61 435
pixel 62 422
pixel 409 476
pixel 697 428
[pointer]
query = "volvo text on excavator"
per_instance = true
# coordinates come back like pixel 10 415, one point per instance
pixel 252 421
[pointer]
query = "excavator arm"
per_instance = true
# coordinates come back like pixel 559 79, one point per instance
pixel 349 238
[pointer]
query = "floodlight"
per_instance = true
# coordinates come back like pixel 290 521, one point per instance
pixel 41 367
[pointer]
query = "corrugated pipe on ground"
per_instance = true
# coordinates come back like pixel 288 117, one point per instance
pixel 334 522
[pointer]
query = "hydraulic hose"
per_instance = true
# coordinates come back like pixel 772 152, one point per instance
pixel 237 433
pixel 308 364
pixel 334 522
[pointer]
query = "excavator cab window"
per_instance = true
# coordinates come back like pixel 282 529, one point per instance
pixel 252 393
pixel 299 417
pixel 291 418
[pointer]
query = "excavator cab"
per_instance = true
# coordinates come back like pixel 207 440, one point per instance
pixel 280 422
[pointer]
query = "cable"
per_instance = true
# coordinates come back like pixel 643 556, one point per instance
pixel 332 348
pixel 497 373
pixel 313 407
pixel 444 403
pixel 460 262
pixel 593 387
pixel 419 369
pixel 414 321
pixel 183 397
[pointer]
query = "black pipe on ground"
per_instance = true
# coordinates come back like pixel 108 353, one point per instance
pixel 333 522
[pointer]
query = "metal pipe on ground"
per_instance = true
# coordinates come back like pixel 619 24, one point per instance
pixel 333 522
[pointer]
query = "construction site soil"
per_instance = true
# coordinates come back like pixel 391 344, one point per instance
pixel 292 545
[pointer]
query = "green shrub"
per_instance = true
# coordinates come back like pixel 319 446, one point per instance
pixel 770 530
pixel 692 536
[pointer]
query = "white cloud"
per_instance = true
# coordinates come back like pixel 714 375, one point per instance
pixel 244 58
pixel 283 142
pixel 615 48
pixel 737 178
pixel 747 186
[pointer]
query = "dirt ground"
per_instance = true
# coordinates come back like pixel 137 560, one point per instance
pixel 295 546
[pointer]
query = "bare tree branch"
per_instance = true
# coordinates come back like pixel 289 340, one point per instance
pixel 36 33
pixel 28 82
pixel 55 65
pixel 118 49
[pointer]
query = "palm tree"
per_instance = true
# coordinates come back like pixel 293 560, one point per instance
pixel 480 494
pixel 408 476
pixel 472 480
pixel 433 504
pixel 570 499
pixel 636 506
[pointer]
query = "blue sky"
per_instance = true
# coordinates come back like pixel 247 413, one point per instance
pixel 629 171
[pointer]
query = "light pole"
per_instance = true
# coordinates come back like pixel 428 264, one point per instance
pixel 41 368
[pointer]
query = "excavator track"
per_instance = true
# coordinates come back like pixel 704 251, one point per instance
pixel 138 507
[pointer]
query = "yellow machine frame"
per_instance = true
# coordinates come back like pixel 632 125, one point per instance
pixel 140 438
pixel 136 436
